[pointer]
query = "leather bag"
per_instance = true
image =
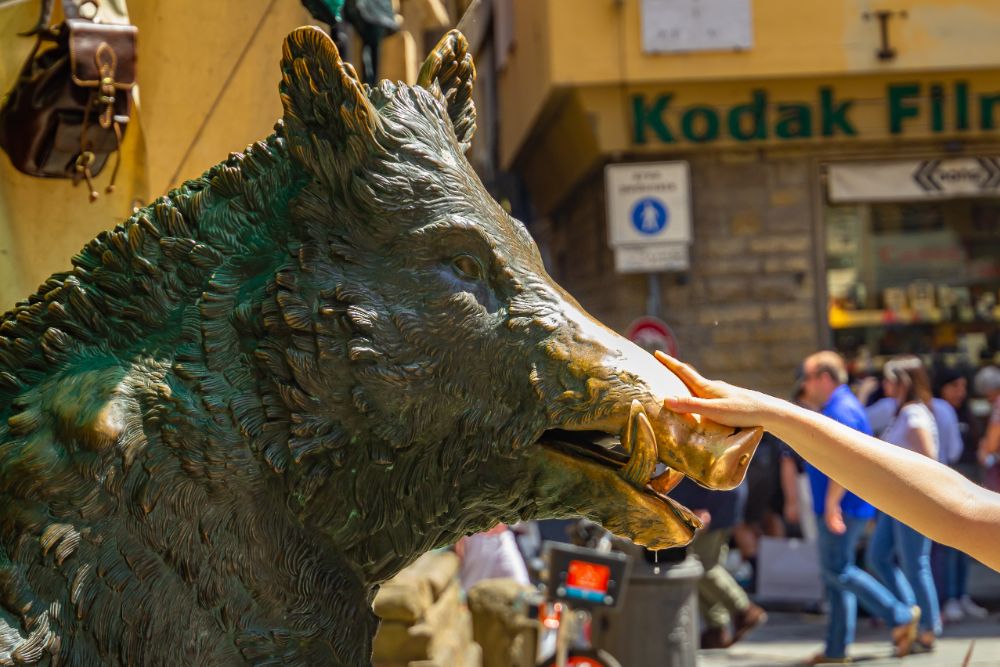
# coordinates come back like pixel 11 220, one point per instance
pixel 71 104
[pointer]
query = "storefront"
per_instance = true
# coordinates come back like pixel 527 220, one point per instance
pixel 782 262
pixel 913 259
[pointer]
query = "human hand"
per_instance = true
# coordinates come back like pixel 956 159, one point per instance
pixel 987 459
pixel 866 388
pixel 704 516
pixel 791 512
pixel 719 401
pixel 834 520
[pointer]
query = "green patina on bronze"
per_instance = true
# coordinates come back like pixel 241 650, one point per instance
pixel 273 388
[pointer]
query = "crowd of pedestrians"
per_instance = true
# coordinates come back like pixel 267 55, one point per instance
pixel 899 577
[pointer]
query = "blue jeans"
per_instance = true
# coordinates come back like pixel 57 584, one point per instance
pixel 911 581
pixel 954 572
pixel 846 584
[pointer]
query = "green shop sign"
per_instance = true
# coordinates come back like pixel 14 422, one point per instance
pixel 759 119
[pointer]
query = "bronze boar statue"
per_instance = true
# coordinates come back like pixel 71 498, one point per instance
pixel 271 389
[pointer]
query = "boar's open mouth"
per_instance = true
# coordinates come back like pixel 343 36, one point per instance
pixel 607 450
pixel 597 446
pixel 622 479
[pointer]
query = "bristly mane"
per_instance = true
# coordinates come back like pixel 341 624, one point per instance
pixel 137 286
pixel 129 282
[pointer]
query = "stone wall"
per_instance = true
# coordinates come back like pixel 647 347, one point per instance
pixel 500 624
pixel 424 623
pixel 747 310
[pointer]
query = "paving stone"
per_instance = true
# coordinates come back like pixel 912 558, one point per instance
pixel 788 639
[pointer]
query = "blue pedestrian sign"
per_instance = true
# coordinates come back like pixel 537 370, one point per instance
pixel 649 215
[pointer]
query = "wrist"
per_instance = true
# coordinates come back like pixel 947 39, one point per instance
pixel 775 413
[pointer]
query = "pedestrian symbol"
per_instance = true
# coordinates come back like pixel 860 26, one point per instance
pixel 649 215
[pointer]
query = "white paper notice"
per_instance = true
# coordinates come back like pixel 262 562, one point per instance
pixel 696 25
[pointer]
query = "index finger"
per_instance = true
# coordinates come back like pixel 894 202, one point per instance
pixel 698 385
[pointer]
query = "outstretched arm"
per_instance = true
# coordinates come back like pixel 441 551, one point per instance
pixel 927 496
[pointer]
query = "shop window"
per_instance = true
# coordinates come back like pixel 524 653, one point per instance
pixel 920 278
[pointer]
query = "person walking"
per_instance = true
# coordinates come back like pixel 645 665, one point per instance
pixel 841 520
pixel 761 514
pixel 722 601
pixel 987 385
pixel 913 428
pixel 952 393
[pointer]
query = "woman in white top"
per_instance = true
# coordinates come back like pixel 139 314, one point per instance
pixel 899 555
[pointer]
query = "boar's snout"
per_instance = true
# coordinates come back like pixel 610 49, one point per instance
pixel 618 388
pixel 713 455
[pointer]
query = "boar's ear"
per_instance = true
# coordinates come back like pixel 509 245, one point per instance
pixel 450 65
pixel 330 122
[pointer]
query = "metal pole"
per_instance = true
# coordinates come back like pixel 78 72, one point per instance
pixel 470 11
pixel 564 635
pixel 653 295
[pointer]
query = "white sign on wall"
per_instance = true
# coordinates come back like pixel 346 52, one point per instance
pixel 696 25
pixel 649 215
pixel 652 258
pixel 909 180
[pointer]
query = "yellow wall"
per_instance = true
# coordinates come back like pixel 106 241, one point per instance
pixel 790 38
pixel 564 44
pixel 187 48
pixel 525 81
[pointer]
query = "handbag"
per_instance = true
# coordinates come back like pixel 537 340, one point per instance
pixel 71 104
pixel 788 570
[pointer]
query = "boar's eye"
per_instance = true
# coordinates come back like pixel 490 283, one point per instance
pixel 468 267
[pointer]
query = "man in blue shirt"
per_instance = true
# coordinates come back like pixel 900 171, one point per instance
pixel 842 517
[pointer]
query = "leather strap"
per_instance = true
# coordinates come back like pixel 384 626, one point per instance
pixel 98 52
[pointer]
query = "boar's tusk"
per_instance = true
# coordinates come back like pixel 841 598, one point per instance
pixel 640 442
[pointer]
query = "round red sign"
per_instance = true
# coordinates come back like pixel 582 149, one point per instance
pixel 651 334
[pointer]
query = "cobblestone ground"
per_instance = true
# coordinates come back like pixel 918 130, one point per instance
pixel 788 638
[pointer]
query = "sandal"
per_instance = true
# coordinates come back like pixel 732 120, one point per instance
pixel 903 636
pixel 925 641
